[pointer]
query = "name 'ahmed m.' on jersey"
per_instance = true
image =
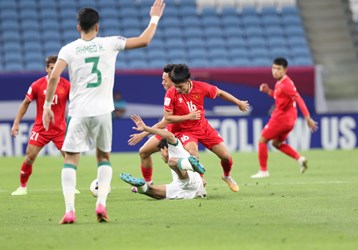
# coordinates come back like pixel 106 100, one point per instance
pixel 91 67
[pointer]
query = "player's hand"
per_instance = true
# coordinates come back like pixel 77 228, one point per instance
pixel 157 8
pixel 244 106
pixel 312 124
pixel 135 138
pixel 48 117
pixel 195 115
pixel 138 122
pixel 264 88
pixel 15 130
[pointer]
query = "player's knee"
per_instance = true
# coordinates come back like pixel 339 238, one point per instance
pixel 29 159
pixel 144 153
pixel 276 144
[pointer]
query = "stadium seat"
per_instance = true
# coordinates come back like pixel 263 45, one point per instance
pixel 87 3
pixel 225 12
pixel 192 32
pixel 186 10
pixel 302 61
pixel 233 42
pixel 221 62
pixel 13 66
pixel 9 25
pixel 197 54
pixel 109 13
pixel 215 42
pixel 175 43
pixel 294 30
pixel 274 31
pixel 269 10
pixel 238 52
pixel 27 14
pixel 241 62
pixel 213 31
pixel 271 21
pixel 232 31
pixel 11 36
pixel 216 53
pixel 157 63
pixel 258 52
pixel 251 21
pixel 276 41
pixel 190 21
pixel 195 43
pixel 200 63
pixel 156 53
pixel 261 62
pixel 209 12
pixel 256 42
pixel 255 31
pixel 279 52
pixel 230 21
pixel 210 21
pixel 34 66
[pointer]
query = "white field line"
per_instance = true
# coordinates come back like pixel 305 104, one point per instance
pixel 253 183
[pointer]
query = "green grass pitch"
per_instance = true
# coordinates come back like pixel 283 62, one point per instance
pixel 316 210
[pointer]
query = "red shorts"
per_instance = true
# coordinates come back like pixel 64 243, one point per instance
pixel 159 138
pixel 277 130
pixel 208 137
pixel 41 139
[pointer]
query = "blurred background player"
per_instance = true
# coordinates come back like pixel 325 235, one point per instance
pixel 151 145
pixel 120 105
pixel 186 184
pixel 282 119
pixel 91 65
pixel 187 98
pixel 39 136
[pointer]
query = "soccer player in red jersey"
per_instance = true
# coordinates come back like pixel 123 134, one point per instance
pixel 184 108
pixel 39 137
pixel 151 145
pixel 283 118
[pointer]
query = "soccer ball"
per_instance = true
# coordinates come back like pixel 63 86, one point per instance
pixel 94 188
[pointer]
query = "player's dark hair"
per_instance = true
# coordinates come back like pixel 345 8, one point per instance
pixel 180 74
pixel 281 61
pixel 87 18
pixel 163 144
pixel 50 59
pixel 168 68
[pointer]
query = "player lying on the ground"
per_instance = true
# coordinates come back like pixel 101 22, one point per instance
pixel 186 184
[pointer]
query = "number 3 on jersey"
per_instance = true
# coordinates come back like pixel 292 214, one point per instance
pixel 95 70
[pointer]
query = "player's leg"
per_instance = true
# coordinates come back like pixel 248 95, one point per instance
pixel 226 163
pixel 262 157
pixel 58 140
pixel 145 152
pixel 270 131
pixel 280 144
pixel 32 152
pixel 102 128
pixel 76 141
pixel 68 181
pixel 154 191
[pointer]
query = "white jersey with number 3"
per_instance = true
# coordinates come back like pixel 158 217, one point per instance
pixel 91 67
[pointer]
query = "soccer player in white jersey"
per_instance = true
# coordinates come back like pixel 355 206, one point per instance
pixel 186 169
pixel 91 65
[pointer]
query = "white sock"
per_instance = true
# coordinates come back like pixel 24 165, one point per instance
pixel 143 189
pixel 68 179
pixel 184 164
pixel 104 176
pixel 301 160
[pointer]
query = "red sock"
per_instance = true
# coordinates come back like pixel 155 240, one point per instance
pixel 25 173
pixel 285 148
pixel 227 165
pixel 147 173
pixel 263 156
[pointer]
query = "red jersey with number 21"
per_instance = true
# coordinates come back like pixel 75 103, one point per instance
pixel 37 91
pixel 183 104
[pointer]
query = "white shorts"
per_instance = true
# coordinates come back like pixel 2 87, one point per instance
pixel 186 189
pixel 85 133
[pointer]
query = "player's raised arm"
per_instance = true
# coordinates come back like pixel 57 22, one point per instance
pixel 243 105
pixel 146 37
pixel 266 89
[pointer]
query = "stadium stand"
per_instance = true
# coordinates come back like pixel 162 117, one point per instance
pixel 228 26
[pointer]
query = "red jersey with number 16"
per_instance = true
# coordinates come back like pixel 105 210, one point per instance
pixel 37 91
pixel 183 104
